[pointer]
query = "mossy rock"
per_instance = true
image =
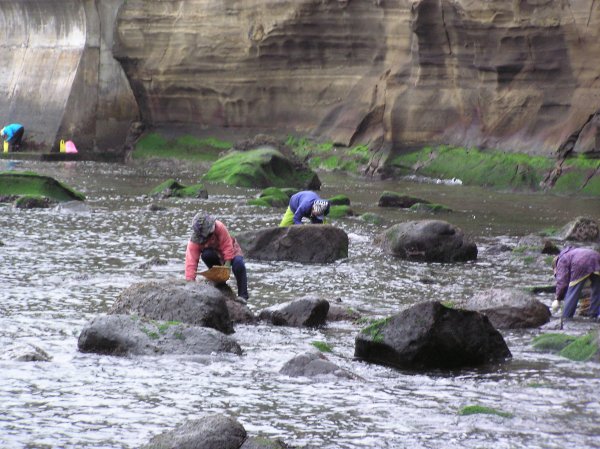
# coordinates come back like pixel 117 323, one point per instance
pixel 172 188
pixel 189 148
pixel 340 212
pixel 339 200
pixel 34 185
pixel 582 349
pixel 261 168
pixel 552 342
pixel 498 169
pixel 272 197
pixel 34 202
pixel 394 199
pixel 480 409
pixel 372 218
pixel 430 207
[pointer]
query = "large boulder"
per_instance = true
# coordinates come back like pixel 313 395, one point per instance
pixel 31 184
pixel 313 364
pixel 301 243
pixel 172 188
pixel 431 336
pixel 209 432
pixel 582 229
pixel 427 241
pixel 509 308
pixel 260 168
pixel 200 304
pixel 129 335
pixel 393 199
pixel 304 312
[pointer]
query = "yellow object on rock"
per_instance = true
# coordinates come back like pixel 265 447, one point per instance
pixel 217 274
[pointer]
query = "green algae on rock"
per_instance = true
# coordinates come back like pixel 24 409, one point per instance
pixel 579 349
pixel 480 409
pixel 263 167
pixel 172 188
pixel 273 197
pixel 34 185
pixel 155 145
pixel 503 170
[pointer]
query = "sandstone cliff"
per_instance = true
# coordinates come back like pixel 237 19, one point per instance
pixel 516 75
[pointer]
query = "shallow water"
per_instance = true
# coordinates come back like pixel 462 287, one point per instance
pixel 59 270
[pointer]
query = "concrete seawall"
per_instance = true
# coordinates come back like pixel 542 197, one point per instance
pixel 58 77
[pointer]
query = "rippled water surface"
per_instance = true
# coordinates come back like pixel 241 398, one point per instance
pixel 59 270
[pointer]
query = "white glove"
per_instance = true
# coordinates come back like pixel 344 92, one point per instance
pixel 555 306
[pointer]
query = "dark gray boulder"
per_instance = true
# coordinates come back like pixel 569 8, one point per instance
pixel 509 308
pixel 209 432
pixel 264 443
pixel 313 364
pixel 300 243
pixel 342 313
pixel 431 336
pixel 393 199
pixel 427 241
pixel 124 335
pixel 196 303
pixel 582 229
pixel 304 312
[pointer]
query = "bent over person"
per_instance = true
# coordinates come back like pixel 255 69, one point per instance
pixel 305 204
pixel 572 267
pixel 211 241
pixel 13 134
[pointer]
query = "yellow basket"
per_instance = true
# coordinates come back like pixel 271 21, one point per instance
pixel 217 274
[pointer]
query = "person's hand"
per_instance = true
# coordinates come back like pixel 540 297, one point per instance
pixel 555 306
pixel 228 263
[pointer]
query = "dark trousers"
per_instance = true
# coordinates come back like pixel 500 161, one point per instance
pixel 211 257
pixel 17 137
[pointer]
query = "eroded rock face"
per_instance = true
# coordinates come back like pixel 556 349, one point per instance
pixel 513 75
pixel 304 312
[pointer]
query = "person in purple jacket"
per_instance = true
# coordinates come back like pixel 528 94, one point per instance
pixel 572 267
pixel 305 204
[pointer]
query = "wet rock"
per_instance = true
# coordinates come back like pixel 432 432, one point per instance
pixel 313 364
pixel 155 208
pixel 262 167
pixel 129 335
pixel 431 336
pixel 304 312
pixel 154 262
pixel 209 432
pixel 301 243
pixel 33 202
pixel 172 188
pixel 393 199
pixel 427 241
pixel 264 443
pixel 549 247
pixel 194 303
pixel 26 353
pixel 339 200
pixel 509 308
pixel 239 313
pixel 582 229
pixel 273 197
pixel 342 313
pixel 372 218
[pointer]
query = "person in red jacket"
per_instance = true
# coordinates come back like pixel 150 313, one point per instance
pixel 211 241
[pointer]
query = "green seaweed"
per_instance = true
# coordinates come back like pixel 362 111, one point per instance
pixel 339 212
pixel 582 349
pixel 154 145
pixel 374 331
pixel 321 346
pixel 480 409
pixel 259 168
pixel 32 184
pixel 552 342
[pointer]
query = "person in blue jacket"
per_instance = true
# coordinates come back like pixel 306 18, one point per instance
pixel 13 134
pixel 305 204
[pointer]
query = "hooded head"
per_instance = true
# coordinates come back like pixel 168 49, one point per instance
pixel 203 225
pixel 320 208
